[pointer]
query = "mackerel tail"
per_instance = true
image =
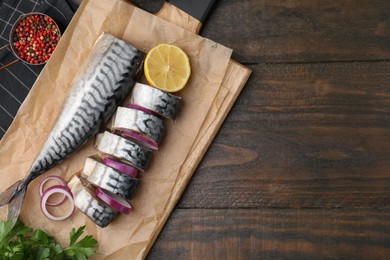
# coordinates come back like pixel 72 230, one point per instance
pixel 105 79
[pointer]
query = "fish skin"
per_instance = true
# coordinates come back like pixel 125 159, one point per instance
pixel 160 102
pixel 98 212
pixel 84 199
pixel 123 149
pixel 131 119
pixel 107 77
pixel 109 179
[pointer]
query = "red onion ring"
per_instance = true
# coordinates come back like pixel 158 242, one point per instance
pixel 143 109
pixel 42 184
pixel 141 140
pixel 114 201
pixel 122 167
pixel 50 191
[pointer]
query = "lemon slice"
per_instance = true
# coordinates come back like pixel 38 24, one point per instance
pixel 167 67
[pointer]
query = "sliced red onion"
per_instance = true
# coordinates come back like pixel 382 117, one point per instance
pixel 122 167
pixel 62 183
pixel 140 139
pixel 52 190
pixel 143 109
pixel 114 201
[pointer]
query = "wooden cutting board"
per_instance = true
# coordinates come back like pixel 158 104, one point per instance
pixel 234 80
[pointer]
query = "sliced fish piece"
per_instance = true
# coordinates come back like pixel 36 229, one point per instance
pixel 105 78
pixel 86 201
pixel 130 119
pixel 109 179
pixel 123 149
pixel 160 102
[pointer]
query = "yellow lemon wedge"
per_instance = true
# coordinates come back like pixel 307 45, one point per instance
pixel 167 67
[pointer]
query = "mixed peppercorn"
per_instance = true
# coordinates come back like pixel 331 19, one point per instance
pixel 35 38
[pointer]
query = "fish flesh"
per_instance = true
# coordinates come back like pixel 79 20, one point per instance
pixel 130 119
pixel 123 149
pixel 109 179
pixel 86 201
pixel 160 102
pixel 106 77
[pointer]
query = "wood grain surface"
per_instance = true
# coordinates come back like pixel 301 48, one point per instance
pixel 275 234
pixel 302 30
pixel 300 169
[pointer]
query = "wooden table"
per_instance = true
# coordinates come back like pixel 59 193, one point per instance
pixel 301 167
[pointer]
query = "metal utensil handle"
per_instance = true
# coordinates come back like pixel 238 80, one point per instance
pixel 3 47
pixel 9 64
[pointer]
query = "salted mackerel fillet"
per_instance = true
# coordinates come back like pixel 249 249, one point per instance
pixel 130 119
pixel 123 149
pixel 160 102
pixel 106 77
pixel 90 205
pixel 107 178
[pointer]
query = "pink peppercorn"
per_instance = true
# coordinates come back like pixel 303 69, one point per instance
pixel 35 38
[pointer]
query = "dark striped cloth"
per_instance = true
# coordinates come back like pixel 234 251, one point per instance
pixel 16 81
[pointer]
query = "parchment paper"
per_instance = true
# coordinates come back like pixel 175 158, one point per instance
pixel 128 237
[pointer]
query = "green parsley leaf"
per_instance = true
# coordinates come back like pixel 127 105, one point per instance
pixel 20 242
pixel 82 249
pixel 74 235
pixel 40 236
pixel 43 254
